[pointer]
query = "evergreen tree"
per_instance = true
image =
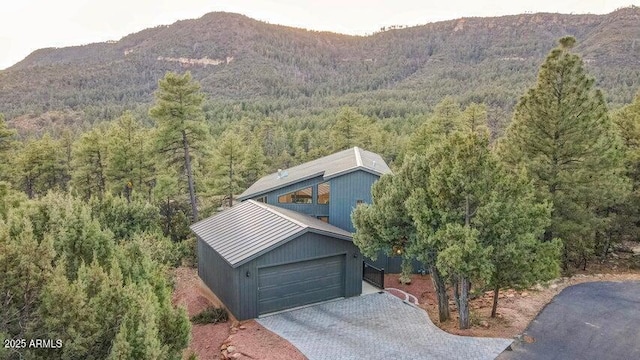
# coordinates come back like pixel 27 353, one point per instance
pixel 253 164
pixel 446 119
pixel 90 164
pixel 40 167
pixel 349 130
pixel 130 165
pixel 228 159
pixel 624 222
pixel 481 223
pixel 7 146
pixel 474 119
pixel 181 131
pixel 562 135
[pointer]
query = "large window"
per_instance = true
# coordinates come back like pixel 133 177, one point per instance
pixel 324 190
pixel 302 196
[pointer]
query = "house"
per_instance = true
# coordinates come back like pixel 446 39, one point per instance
pixel 288 243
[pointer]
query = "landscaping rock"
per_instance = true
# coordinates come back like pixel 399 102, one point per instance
pixel 231 349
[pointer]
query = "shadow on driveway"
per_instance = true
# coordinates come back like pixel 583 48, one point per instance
pixel 599 320
pixel 375 326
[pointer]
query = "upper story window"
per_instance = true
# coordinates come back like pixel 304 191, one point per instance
pixel 324 190
pixel 302 196
pixel 262 199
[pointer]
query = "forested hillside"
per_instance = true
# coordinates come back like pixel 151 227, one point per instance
pixel 108 152
pixel 280 71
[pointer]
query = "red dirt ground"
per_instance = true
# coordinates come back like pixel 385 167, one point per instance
pixel 230 340
pixel 516 309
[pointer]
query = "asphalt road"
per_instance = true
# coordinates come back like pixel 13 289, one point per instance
pixel 599 320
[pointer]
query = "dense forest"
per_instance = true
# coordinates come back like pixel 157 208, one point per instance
pixel 254 69
pixel 101 173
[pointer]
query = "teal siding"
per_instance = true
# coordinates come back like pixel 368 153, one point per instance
pixel 345 191
pixel 308 246
pixel 219 276
pixel 313 209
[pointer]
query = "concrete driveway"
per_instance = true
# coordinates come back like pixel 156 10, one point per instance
pixel 375 326
pixel 599 320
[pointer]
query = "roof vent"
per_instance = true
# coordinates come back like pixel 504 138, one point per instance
pixel 282 173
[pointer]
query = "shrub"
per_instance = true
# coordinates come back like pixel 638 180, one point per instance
pixel 211 315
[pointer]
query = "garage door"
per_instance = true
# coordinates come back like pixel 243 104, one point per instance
pixel 301 283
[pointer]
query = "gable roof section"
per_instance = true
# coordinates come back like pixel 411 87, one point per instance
pixel 250 229
pixel 328 167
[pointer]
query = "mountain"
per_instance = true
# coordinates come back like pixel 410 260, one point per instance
pixel 394 72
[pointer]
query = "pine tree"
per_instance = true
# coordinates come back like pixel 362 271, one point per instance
pixel 228 159
pixel 130 166
pixel 446 119
pixel 349 130
pixel 181 131
pixel 7 146
pixel 625 214
pixel 253 164
pixel 386 225
pixel 90 164
pixel 562 135
pixel 478 220
pixel 40 167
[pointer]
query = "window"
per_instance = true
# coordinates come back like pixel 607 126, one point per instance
pixel 262 199
pixel 324 218
pixel 359 202
pixel 302 196
pixel 324 190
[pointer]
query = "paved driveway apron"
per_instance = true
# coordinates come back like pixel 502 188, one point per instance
pixel 375 326
pixel 598 320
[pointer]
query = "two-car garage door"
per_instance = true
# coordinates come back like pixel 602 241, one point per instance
pixel 300 283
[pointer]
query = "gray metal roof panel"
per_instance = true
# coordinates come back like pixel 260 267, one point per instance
pixel 329 166
pixel 249 229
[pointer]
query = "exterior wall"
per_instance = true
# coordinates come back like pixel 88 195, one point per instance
pixel 313 209
pixel 219 276
pixel 345 191
pixel 308 246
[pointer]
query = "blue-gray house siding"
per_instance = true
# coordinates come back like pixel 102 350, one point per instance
pixel 313 209
pixel 238 287
pixel 346 191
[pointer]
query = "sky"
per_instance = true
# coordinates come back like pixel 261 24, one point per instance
pixel 28 25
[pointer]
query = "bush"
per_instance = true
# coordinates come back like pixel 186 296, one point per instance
pixel 211 315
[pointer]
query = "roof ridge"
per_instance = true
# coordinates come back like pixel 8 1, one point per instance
pixel 273 211
pixel 358 156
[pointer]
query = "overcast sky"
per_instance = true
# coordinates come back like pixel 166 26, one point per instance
pixel 27 25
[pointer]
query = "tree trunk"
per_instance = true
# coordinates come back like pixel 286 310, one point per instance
pixel 441 293
pixel 496 292
pixel 463 303
pixel 231 180
pixel 192 189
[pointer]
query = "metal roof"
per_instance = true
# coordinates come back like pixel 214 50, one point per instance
pixel 250 229
pixel 328 167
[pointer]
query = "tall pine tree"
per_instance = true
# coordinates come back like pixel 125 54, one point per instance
pixel 562 135
pixel 181 130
